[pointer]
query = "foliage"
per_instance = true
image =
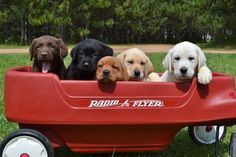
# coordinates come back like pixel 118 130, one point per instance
pixel 119 21
pixel 56 9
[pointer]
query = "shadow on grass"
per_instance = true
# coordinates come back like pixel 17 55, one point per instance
pixel 182 146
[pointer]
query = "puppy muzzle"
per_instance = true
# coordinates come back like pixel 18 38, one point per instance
pixel 137 73
pixel 87 66
pixel 183 71
pixel 136 76
pixel 106 73
pixel 44 56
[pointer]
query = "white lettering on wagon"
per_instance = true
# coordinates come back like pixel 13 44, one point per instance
pixel 126 103
pixel 103 103
pixel 148 103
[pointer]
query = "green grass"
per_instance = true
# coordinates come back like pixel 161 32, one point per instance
pixel 182 145
pixel 226 45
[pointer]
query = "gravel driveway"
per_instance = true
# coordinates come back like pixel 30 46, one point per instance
pixel 158 48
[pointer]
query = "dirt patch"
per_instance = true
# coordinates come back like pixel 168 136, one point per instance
pixel 14 50
pixel 146 48
pixel 157 48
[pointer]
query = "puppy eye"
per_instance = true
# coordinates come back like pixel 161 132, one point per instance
pixel 38 46
pixel 51 45
pixel 99 65
pixel 142 63
pixel 95 56
pixel 115 67
pixel 191 58
pixel 130 62
pixel 177 58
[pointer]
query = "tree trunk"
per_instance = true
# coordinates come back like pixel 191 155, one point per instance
pixel 64 33
pixel 24 25
pixel 5 34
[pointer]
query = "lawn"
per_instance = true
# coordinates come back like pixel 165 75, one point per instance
pixel 182 145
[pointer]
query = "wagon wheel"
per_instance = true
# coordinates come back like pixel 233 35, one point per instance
pixel 26 143
pixel 232 146
pixel 206 134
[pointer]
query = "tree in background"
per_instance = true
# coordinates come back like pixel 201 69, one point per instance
pixel 118 21
pixel 14 21
pixel 50 17
pixel 91 18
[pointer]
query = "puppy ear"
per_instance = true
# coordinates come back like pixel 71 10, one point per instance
pixel 121 57
pixel 126 75
pixel 201 58
pixel 108 51
pixel 148 67
pixel 124 72
pixel 63 48
pixel 167 61
pixel 73 55
pixel 31 49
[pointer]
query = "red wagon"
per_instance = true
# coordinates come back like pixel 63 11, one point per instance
pixel 87 116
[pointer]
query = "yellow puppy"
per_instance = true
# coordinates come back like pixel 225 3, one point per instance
pixel 138 65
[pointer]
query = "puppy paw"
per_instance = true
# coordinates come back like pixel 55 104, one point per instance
pixel 154 77
pixel 204 75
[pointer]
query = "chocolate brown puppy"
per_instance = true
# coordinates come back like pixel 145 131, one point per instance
pixel 47 53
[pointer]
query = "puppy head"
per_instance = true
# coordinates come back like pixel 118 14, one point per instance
pixel 184 60
pixel 136 62
pixel 87 53
pixel 45 49
pixel 110 69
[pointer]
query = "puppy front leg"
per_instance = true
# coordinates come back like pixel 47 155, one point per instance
pixel 204 75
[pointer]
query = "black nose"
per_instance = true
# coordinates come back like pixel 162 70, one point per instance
pixel 183 70
pixel 86 64
pixel 106 72
pixel 136 73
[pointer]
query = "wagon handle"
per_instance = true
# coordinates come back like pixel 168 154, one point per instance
pixel 217 141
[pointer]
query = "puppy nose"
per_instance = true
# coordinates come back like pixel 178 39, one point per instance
pixel 86 64
pixel 183 70
pixel 44 53
pixel 106 72
pixel 137 73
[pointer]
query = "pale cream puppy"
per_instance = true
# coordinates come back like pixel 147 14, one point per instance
pixel 184 61
pixel 138 65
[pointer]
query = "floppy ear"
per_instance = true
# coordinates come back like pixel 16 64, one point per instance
pixel 108 50
pixel 73 55
pixel 63 48
pixel 148 67
pixel 167 61
pixel 31 49
pixel 124 72
pixel 121 57
pixel 201 58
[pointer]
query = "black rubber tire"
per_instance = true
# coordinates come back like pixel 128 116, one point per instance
pixel 197 141
pixel 232 145
pixel 28 132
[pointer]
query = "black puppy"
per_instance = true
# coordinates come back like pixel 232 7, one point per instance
pixel 85 56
